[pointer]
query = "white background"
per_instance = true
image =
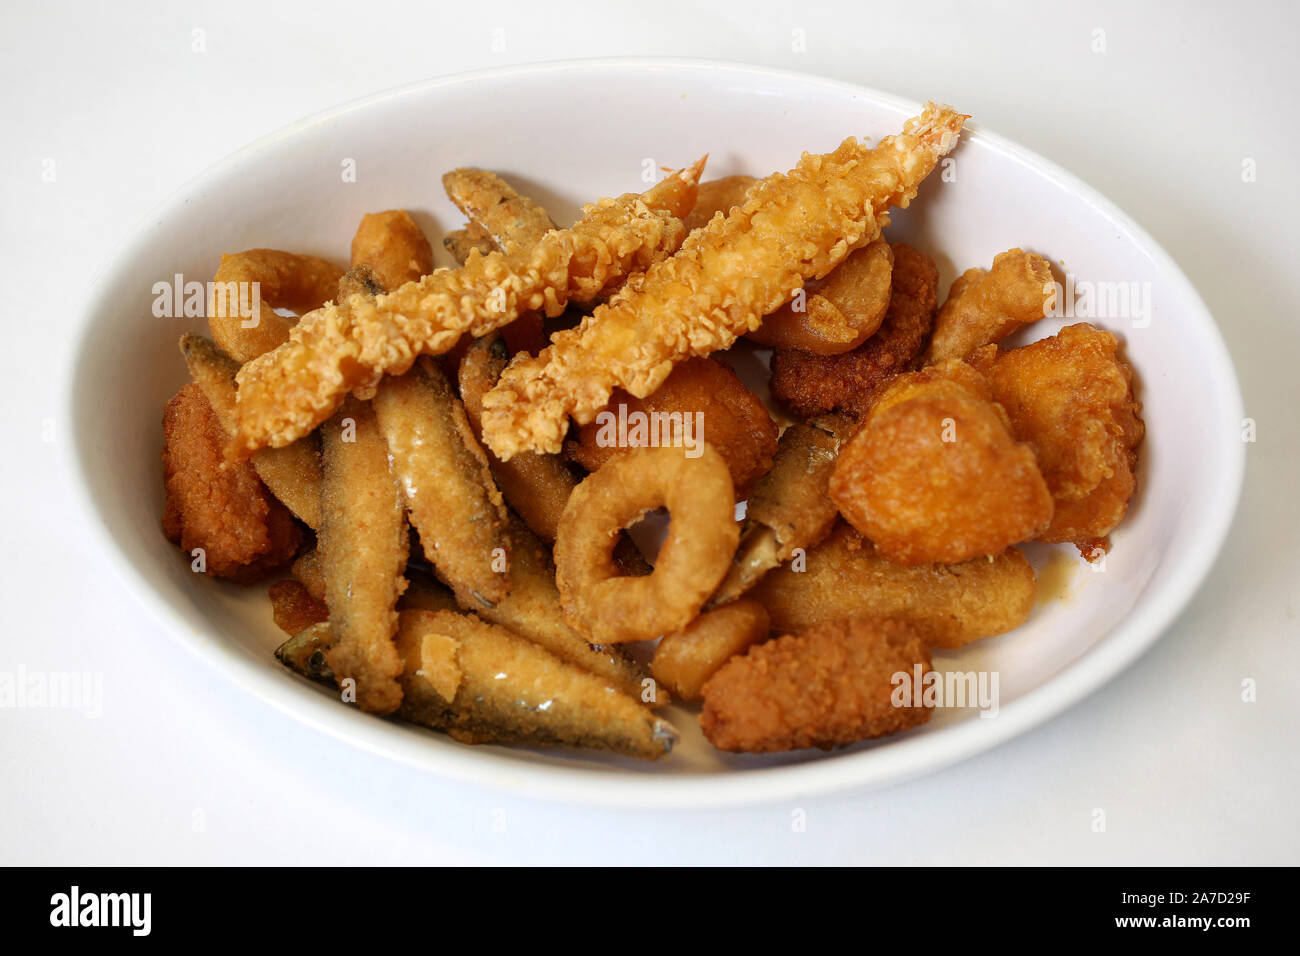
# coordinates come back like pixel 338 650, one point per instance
pixel 183 767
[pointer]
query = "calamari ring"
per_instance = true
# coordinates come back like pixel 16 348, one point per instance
pixel 285 280
pixel 607 608
pixel 840 311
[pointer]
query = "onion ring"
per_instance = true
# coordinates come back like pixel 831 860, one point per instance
pixel 285 280
pixel 702 535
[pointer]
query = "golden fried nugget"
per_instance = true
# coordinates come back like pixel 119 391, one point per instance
pixel 986 306
pixel 790 507
pixel 392 245
pixel 838 313
pixel 952 604
pixel 292 473
pixel 453 502
pixel 935 475
pixel 703 399
pixel 812 385
pixel 510 219
pixel 293 608
pixel 792 227
pixel 685 659
pixel 536 485
pixel 717 196
pixel 350 346
pixel 363 546
pixel 244 533
pixel 826 687
pixel 246 326
pixel 1070 398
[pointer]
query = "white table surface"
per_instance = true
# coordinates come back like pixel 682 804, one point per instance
pixel 183 768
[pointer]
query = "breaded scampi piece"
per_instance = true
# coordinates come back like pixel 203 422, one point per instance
pixel 790 507
pixel 838 313
pixel 509 219
pixel 350 346
pixel 285 280
pixel 987 305
pixel 702 400
pixel 293 607
pixel 718 196
pixel 811 385
pixel 363 547
pixel 484 684
pixel 1070 398
pixel 792 227
pixel 686 659
pixel 292 473
pixel 392 245
pixel 537 486
pixel 952 604
pixel 826 687
pixel 450 496
pixel 244 533
pixel 935 475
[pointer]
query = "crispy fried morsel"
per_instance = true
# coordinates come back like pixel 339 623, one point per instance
pixel 717 196
pixel 1070 398
pixel 790 507
pixel 935 476
pixel 350 346
pixel 811 385
pixel 685 659
pixel 952 604
pixel 308 571
pixel 293 608
pixel 826 687
pixel 702 535
pixel 488 201
pixel 838 313
pixel 393 246
pixel 702 398
pixel 450 496
pixel 536 486
pixel 291 473
pixel 792 227
pixel 482 683
pixel 461 242
pixel 244 532
pixel 284 280
pixel 985 306
pixel 532 609
pixel 364 547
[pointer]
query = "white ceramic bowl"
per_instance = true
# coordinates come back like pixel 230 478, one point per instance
pixel 567 132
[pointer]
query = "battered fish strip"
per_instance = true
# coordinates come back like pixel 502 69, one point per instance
pixel 952 604
pixel 292 473
pixel 790 507
pixel 450 496
pixel 537 486
pixel 809 384
pixel 726 277
pixel 484 684
pixel 350 346
pixel 363 547
pixel 511 220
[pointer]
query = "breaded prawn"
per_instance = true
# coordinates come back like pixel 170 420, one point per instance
pixel 350 346
pixel 726 277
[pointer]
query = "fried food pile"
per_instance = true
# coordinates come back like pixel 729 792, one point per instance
pixel 443 471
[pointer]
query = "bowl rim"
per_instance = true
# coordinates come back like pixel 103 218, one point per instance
pixel 908 757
